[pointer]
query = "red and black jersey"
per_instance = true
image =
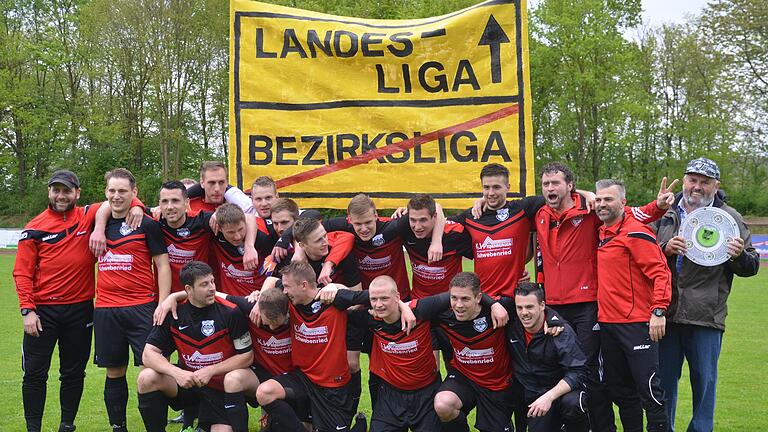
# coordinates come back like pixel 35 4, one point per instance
pixel 266 237
pixel 632 273
pixel 53 262
pixel 500 240
pixel 318 333
pixel 346 271
pixel 271 348
pixel 198 204
pixel 381 255
pixel 126 276
pixel 189 242
pixel 231 277
pixel 404 361
pixel 433 278
pixel 203 336
pixel 480 352
pixel 568 245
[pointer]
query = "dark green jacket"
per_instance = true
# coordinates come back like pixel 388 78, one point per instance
pixel 699 294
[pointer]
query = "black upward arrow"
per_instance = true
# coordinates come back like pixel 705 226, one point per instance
pixel 493 36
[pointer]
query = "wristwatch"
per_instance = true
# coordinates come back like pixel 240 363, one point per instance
pixel 26 311
pixel 659 312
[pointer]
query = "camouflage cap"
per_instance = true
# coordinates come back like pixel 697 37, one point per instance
pixel 703 166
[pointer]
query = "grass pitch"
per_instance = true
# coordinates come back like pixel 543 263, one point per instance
pixel 742 389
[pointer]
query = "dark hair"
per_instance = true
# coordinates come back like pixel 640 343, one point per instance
pixel 283 204
pixel 121 173
pixel 303 227
pixel 194 270
pixel 300 271
pixel 229 213
pixel 421 202
pixel 528 288
pixel 360 204
pixel 494 169
pixel 264 181
pixel 466 280
pixel 175 184
pixel 211 166
pixel 555 167
pixel 273 303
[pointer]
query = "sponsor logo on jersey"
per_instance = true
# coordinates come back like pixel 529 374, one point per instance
pixel 378 240
pixel 470 356
pixel 310 335
pixel 81 233
pixel 207 327
pixel 374 264
pixel 577 221
pixel 49 237
pixel 275 346
pixel 177 255
pixel 400 348
pixel 480 324
pixel 492 248
pixel 199 361
pixel 182 232
pixel 113 261
pixel 125 229
pixel 502 214
pixel 427 272
pixel 241 276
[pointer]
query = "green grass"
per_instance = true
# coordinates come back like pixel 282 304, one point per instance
pixel 742 392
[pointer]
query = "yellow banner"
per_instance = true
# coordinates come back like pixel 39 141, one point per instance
pixel 331 106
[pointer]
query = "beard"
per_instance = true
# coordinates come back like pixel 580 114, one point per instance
pixel 698 202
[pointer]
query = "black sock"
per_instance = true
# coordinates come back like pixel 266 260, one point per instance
pixel 283 417
pixel 237 412
pixel 459 424
pixel 116 400
pixel 355 389
pixel 153 407
pixel 191 412
pixel 373 389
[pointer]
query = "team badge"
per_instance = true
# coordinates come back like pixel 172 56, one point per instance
pixel 182 232
pixel 480 325
pixel 241 249
pixel 502 214
pixel 577 221
pixel 268 221
pixel 125 229
pixel 315 307
pixel 378 240
pixel 207 327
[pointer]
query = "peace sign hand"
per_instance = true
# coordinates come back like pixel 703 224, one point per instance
pixel 666 195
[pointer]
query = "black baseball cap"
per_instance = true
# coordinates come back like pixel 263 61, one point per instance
pixel 65 177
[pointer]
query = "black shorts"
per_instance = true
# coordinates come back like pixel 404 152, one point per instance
pixel 355 337
pixel 117 328
pixel 211 402
pixel 494 408
pixel 441 343
pixel 330 408
pixel 397 410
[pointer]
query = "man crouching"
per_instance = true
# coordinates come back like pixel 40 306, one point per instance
pixel 211 336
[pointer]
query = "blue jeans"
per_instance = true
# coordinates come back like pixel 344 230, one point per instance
pixel 700 346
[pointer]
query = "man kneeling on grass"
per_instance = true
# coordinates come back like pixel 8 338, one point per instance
pixel 212 338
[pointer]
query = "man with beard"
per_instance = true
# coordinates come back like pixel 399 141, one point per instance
pixel 634 288
pixel 696 316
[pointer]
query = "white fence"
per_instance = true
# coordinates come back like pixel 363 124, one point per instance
pixel 9 238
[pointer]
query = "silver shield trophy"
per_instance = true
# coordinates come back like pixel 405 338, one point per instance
pixel 706 232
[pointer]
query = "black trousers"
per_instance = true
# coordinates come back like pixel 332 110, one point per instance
pixel 583 320
pixel 568 410
pixel 631 364
pixel 69 325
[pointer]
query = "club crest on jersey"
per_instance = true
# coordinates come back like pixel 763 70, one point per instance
pixel 268 221
pixel 315 306
pixel 207 327
pixel 577 221
pixel 241 249
pixel 502 214
pixel 182 232
pixel 480 324
pixel 378 240
pixel 125 229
